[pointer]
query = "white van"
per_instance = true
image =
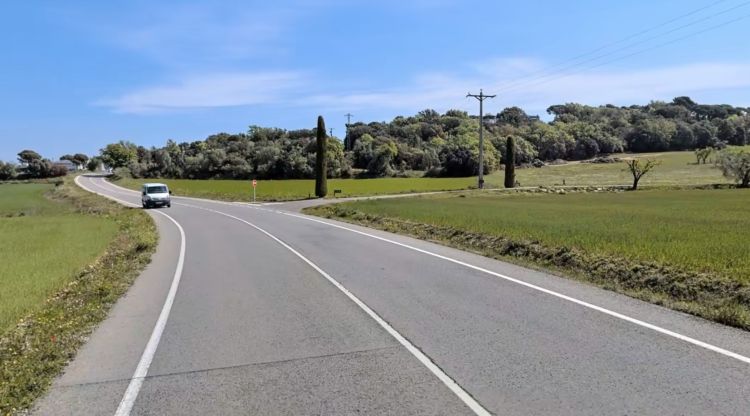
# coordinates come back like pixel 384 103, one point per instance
pixel 155 195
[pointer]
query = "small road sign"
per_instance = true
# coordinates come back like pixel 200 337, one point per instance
pixel 255 183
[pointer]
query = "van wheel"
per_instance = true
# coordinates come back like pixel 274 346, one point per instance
pixel 169 205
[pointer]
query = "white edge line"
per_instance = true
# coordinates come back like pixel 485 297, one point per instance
pixel 618 315
pixel 134 387
pixel 416 352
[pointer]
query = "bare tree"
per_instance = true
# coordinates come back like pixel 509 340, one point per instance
pixel 638 168
pixel 703 154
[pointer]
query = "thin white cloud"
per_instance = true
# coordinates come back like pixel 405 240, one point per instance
pixel 623 87
pixel 440 91
pixel 207 91
pixel 204 33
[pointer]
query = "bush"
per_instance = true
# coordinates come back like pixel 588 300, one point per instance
pixel 735 164
pixel 7 171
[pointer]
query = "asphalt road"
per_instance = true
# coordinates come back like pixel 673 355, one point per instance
pixel 271 312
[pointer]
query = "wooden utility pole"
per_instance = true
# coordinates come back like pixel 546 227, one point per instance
pixel 481 97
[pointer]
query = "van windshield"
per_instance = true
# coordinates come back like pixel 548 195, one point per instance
pixel 157 190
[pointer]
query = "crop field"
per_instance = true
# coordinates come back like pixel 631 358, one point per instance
pixel 697 230
pixel 290 189
pixel 43 243
pixel 677 168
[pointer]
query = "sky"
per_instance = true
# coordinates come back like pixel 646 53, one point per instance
pixel 77 75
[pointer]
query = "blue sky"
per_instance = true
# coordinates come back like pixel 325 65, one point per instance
pixel 76 75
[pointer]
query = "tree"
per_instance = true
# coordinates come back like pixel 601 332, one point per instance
pixel 735 164
pixel 7 171
pixel 321 185
pixel 94 163
pixel 510 163
pixel 705 134
pixel 702 155
pixel 638 169
pixel 651 135
pixel 514 116
pixel 684 138
pixel 381 163
pixel 80 159
pixel 119 155
pixel 28 156
pixel 40 168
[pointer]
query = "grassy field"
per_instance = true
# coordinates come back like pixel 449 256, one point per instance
pixel 702 230
pixel 282 190
pixel 43 244
pixel 685 249
pixel 66 256
pixel 677 168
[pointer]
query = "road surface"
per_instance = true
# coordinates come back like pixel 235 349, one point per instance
pixel 259 310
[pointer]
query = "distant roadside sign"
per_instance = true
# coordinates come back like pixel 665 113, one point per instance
pixel 255 183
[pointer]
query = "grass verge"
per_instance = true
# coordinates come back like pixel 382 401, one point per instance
pixel 552 234
pixel 37 349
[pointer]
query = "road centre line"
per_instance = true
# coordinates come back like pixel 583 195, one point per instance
pixel 136 382
pixel 462 394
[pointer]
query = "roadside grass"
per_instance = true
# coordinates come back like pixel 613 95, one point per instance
pixel 686 249
pixel 677 169
pixel 43 244
pixel 67 256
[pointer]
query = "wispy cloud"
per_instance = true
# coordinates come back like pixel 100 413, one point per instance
pixel 202 32
pixel 440 91
pixel 445 91
pixel 208 91
pixel 189 34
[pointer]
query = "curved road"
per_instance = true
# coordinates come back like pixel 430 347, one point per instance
pixel 258 310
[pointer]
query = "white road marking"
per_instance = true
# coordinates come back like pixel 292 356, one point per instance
pixel 416 352
pixel 618 315
pixel 136 382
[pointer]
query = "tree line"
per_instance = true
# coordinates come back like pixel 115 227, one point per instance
pixel 443 144
pixel 31 165
pixel 431 144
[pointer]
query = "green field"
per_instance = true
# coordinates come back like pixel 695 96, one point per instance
pixel 43 244
pixel 677 168
pixel 699 230
pixel 282 190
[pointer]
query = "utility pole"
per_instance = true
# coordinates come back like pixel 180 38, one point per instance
pixel 348 116
pixel 481 97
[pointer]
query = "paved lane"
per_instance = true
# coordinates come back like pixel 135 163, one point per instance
pixel 256 330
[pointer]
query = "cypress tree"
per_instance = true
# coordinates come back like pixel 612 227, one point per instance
pixel 510 163
pixel 321 185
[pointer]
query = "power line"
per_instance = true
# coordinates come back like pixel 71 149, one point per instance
pixel 718 26
pixel 547 72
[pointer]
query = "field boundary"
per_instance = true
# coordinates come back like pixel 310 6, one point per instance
pixel 711 297
pixel 39 347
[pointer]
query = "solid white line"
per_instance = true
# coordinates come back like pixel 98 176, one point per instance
pixel 136 382
pixel 618 315
pixel 416 352
pixel 614 314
